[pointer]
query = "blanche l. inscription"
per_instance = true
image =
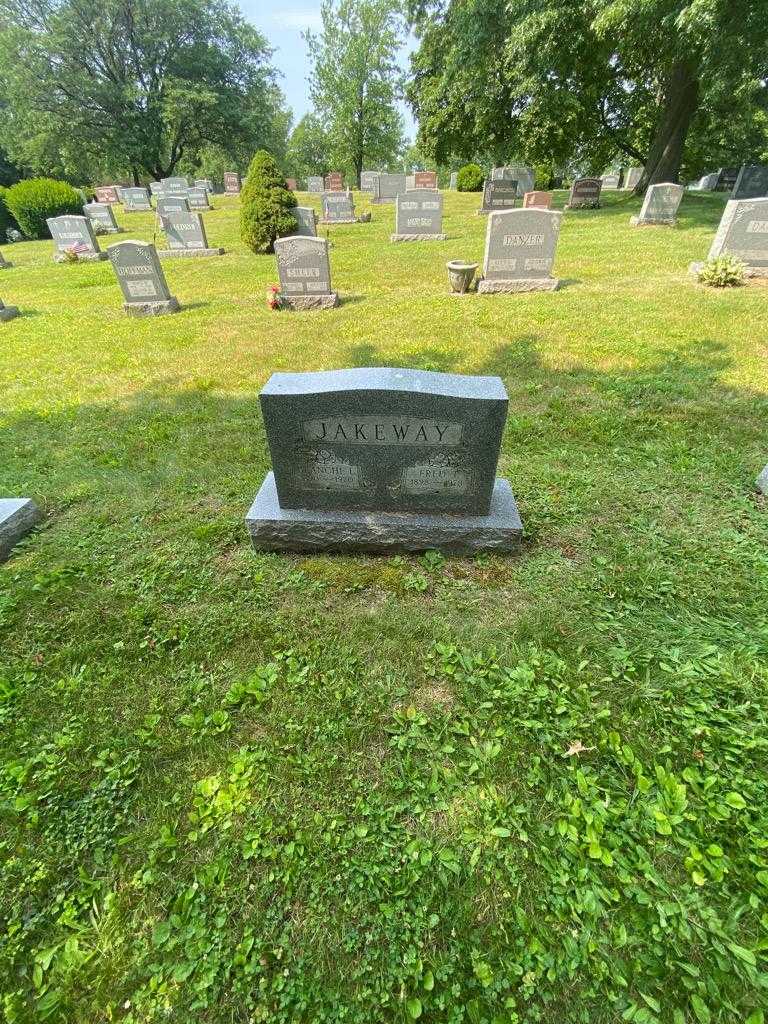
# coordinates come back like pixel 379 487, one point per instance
pixel 323 471
pixel 383 430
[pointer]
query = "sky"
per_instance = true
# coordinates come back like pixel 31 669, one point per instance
pixel 282 22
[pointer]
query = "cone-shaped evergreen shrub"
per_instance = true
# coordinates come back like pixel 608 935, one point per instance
pixel 33 201
pixel 470 178
pixel 266 205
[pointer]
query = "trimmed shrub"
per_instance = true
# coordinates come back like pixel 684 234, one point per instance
pixel 6 219
pixel 32 202
pixel 266 205
pixel 470 178
pixel 722 272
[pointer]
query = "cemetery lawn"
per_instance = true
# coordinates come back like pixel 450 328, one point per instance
pixel 240 787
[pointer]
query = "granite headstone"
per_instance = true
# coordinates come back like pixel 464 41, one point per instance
pixel 743 233
pixel 172 204
pixel 610 181
pixel 585 194
pixel 101 213
pixel 752 182
pixel 726 178
pixel 18 516
pixel 419 216
pixel 520 250
pixel 338 208
pixel 73 236
pixel 762 482
pixel 388 187
pixel 197 198
pixel 523 175
pixel 498 194
pixel 7 312
pixel 542 200
pixel 205 183
pixel 334 182
pixel 425 179
pixel 707 183
pixel 106 194
pixel 136 200
pixel 633 175
pixel 141 278
pixel 368 181
pixel 453 184
pixel 174 185
pixel 4 263
pixel 306 221
pixel 186 235
pixel 231 183
pixel 305 273
pixel 660 205
pixel 316 184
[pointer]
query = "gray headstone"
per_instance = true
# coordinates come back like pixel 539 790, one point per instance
pixel 454 180
pixel 706 184
pixel 419 216
pixel 156 188
pixel 585 194
pixel 7 312
pixel 305 273
pixel 198 198
pixel 306 221
pixel 4 264
pixel 186 234
pixel 205 183
pixel 743 232
pixel 726 178
pixel 384 460
pixel 499 194
pixel 174 185
pixel 74 234
pixel 231 182
pixel 762 482
pixel 388 187
pixel 136 199
pixel 752 182
pixel 141 278
pixel 633 175
pixel 368 181
pixel 101 213
pixel 610 181
pixel 410 182
pixel 172 204
pixel 522 174
pixel 316 183
pixel 520 251
pixel 338 208
pixel 17 517
pixel 660 204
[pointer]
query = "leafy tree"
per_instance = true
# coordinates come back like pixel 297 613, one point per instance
pixel 131 85
pixel 563 82
pixel 356 81
pixel 309 150
pixel 266 205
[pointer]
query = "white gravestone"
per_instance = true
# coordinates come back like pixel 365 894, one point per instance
pixel 74 237
pixel 743 233
pixel 660 205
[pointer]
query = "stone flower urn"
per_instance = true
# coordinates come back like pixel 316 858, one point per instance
pixel 461 275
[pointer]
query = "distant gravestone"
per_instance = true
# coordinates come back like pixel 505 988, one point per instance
pixel 454 181
pixel 174 186
pixel 419 217
pixel 7 312
pixel 542 200
pixel 106 194
pixel 410 181
pixel 4 263
pixel 197 198
pixel 520 250
pixel 498 194
pixel 172 204
pixel 186 236
pixel 18 516
pixel 425 179
pixel 136 200
pixel 334 182
pixel 610 181
pixel 368 181
pixel 338 208
pixel 231 183
pixel 752 182
pixel 743 233
pixel 384 460
pixel 306 221
pixel 73 236
pixel 101 213
pixel 291 184
pixel 205 183
pixel 708 183
pixel 315 184
pixel 726 179
pixel 141 278
pixel 634 174
pixel 762 482
pixel 660 205
pixel 585 194
pixel 388 187
pixel 523 175
pixel 156 188
pixel 305 273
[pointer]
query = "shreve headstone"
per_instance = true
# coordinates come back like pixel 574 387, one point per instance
pixel 523 175
pixel 425 179
pixel 315 183
pixel 419 217
pixel 101 213
pixel 542 200
pixel 367 181
pixel 338 208
pixel 106 194
pixel 334 182
pixel 610 181
pixel 172 204
pixel 136 199
pixel 520 250
pixel 762 482
pixel 388 187
pixel 498 194
pixel 743 232
pixel 305 273
pixel 585 194
pixel 633 175
pixel 74 235
pixel 186 236
pixel 18 516
pixel 306 221
pixel 197 198
pixel 384 460
pixel 7 312
pixel 231 182
pixel 141 278
pixel 660 205
pixel 454 180
pixel 752 182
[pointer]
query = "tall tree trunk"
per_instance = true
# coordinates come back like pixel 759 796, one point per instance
pixel 135 173
pixel 680 102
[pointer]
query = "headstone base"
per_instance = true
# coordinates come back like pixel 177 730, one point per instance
pixel 302 302
pixel 382 202
pixel 582 206
pixel 417 238
pixel 524 284
pixel 152 308
pixel 348 220
pixel 82 257
pixel 637 223
pixel 755 272
pixel 8 313
pixel 5 265
pixel 17 517
pixel 167 254
pixel 273 528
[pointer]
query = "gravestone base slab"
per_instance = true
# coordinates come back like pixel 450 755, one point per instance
pixel 167 254
pixel 637 223
pixel 8 313
pixel 85 257
pixel 304 302
pixel 753 272
pixel 382 202
pixel 17 517
pixel 152 308
pixel 273 528
pixel 524 284
pixel 582 206
pixel 347 220
pixel 417 238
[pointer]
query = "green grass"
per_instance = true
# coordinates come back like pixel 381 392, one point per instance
pixel 240 787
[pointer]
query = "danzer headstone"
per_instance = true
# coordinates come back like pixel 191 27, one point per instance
pixel 18 516
pixel 305 273
pixel 585 194
pixel 74 235
pixel 520 250
pixel 384 460
pixel 338 208
pixel 388 187
pixel 498 194
pixel 136 200
pixel 101 213
pixel 752 182
pixel 659 205
pixel 172 204
pixel 197 198
pixel 542 200
pixel 425 179
pixel 231 182
pixel 106 194
pixel 186 235
pixel 315 183
pixel 7 312
pixel 141 278
pixel 367 181
pixel 334 182
pixel 306 221
pixel 743 233
pixel 419 216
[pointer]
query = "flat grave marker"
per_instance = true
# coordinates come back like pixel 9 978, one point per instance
pixel 141 278
pixel 304 269
pixel 743 232
pixel 660 205
pixel 73 236
pixel 520 250
pixel 419 217
pixel 18 516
